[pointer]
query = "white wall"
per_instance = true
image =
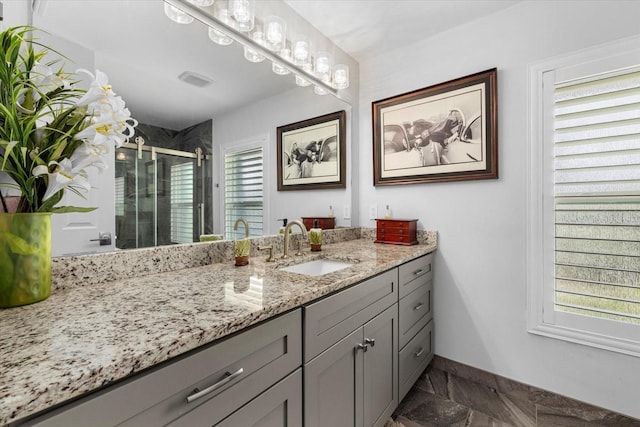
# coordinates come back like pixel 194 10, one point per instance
pixel 480 294
pixel 262 119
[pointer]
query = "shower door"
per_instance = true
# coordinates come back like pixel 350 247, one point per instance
pixel 160 197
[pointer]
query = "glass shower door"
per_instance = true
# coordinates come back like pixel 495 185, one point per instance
pixel 160 198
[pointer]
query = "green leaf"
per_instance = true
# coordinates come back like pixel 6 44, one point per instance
pixel 68 209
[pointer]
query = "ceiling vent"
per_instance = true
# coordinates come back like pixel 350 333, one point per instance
pixel 195 79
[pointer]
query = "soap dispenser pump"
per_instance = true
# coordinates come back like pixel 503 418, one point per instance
pixel 315 237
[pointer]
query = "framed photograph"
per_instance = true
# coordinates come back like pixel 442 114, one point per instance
pixel 446 132
pixel 312 153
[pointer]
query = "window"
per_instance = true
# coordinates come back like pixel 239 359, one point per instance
pixel 182 188
pixel 584 197
pixel 243 185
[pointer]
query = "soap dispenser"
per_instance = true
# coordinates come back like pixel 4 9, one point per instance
pixel 284 224
pixel 315 236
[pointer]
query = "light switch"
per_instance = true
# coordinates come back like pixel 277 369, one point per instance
pixel 373 212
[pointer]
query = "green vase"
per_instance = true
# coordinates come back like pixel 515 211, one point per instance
pixel 25 258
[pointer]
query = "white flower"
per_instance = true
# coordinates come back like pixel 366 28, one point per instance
pixel 46 80
pixel 64 175
pixel 99 88
pixel 88 154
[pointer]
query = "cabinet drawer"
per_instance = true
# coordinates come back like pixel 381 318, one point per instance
pixel 280 406
pixel 414 359
pixel 415 273
pixel 414 312
pixel 329 320
pixel 393 229
pixel 260 356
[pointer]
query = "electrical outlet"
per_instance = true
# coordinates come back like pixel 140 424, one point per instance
pixel 346 213
pixel 373 212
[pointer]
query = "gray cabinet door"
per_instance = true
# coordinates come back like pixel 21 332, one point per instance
pixel 333 385
pixel 280 406
pixel 348 385
pixel 380 368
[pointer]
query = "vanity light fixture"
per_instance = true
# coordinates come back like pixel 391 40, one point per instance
pixel 251 54
pixel 243 11
pixel 275 33
pixel 218 36
pixel 269 42
pixel 177 15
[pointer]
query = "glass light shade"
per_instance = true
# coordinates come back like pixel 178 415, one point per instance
pixel 275 32
pixel 321 91
pixel 279 69
pixel 301 81
pixel 250 54
pixel 301 50
pixel 176 15
pixel 202 3
pixel 322 63
pixel 341 76
pixel 218 36
pixel 243 12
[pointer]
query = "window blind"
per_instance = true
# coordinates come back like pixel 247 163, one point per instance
pixel 244 190
pixel 597 196
pixel 182 189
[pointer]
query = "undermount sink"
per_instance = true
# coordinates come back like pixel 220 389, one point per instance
pixel 316 267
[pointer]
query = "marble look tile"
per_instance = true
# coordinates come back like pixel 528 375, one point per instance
pixel 582 417
pixel 426 409
pixel 509 401
pixel 487 400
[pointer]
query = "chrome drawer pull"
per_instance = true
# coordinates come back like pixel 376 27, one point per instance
pixel 228 376
pixel 421 271
pixel 418 307
pixel 419 353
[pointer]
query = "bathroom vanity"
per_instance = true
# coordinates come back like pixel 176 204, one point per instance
pixel 222 345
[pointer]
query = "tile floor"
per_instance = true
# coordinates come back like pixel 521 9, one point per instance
pixel 452 394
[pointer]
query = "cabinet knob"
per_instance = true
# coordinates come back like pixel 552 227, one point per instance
pixel 370 341
pixel 363 347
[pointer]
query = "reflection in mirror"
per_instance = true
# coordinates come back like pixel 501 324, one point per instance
pixel 178 84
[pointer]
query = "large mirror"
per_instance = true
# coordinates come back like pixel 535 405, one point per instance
pixel 196 102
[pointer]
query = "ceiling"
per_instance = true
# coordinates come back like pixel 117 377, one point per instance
pixel 367 28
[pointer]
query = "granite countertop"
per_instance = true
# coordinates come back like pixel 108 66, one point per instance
pixel 86 337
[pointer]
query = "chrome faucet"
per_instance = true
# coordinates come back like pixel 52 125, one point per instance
pixel 287 231
pixel 246 226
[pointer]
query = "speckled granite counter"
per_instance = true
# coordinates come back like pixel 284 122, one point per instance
pixel 85 337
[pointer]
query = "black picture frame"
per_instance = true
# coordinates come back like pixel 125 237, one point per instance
pixel 311 154
pixel 445 132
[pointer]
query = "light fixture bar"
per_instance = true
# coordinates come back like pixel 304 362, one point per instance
pixel 238 36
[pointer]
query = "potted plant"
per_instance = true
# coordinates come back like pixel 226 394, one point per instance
pixel 241 251
pixel 315 237
pixel 51 132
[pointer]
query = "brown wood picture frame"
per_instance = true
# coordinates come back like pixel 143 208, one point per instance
pixel 312 153
pixel 445 132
